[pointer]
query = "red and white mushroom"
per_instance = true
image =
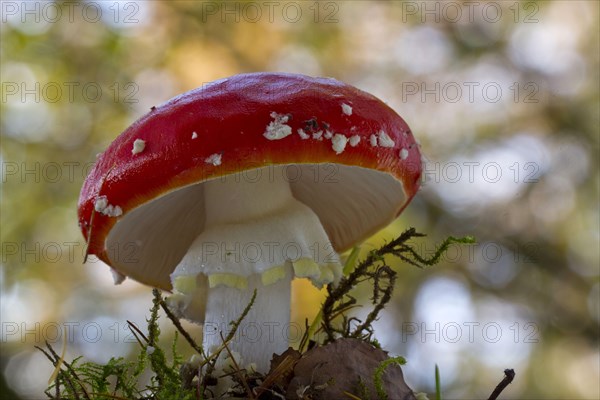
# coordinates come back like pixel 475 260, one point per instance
pixel 245 183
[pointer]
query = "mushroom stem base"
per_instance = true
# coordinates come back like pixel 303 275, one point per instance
pixel 264 330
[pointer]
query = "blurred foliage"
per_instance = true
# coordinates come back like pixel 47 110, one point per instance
pixel 534 273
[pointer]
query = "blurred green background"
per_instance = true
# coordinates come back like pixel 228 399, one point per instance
pixel 503 97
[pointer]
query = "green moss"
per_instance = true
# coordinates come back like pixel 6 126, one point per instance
pixel 375 271
pixel 178 380
pixel 378 375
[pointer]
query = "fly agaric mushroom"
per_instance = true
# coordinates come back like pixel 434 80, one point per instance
pixel 243 184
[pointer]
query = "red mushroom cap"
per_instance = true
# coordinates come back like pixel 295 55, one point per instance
pixel 355 163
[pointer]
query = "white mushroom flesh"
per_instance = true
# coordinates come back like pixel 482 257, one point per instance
pixel 149 241
pixel 256 235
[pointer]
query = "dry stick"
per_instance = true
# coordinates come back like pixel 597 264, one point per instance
pixel 284 365
pixel 67 378
pixel 508 378
pixel 236 324
pixel 234 327
pixel 237 369
pixel 351 396
pixel 385 298
pixel 308 332
pixel 134 327
pixel 47 392
pixel 347 283
pixel 339 312
pixel 60 360
pixel 135 331
pixel 396 247
pixel 183 332
pixel 71 370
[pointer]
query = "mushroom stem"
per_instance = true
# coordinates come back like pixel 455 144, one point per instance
pixel 263 331
pixel 256 236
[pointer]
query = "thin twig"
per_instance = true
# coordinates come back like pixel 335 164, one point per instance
pixel 309 331
pixel 509 375
pixel 134 326
pixel 135 331
pixel 336 296
pixel 237 369
pixel 236 324
pixel 347 283
pixel 66 376
pixel 71 370
pixel 286 364
pixel 234 327
pixel 183 332
pixel 379 302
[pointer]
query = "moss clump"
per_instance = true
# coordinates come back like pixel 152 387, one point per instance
pixel 199 377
